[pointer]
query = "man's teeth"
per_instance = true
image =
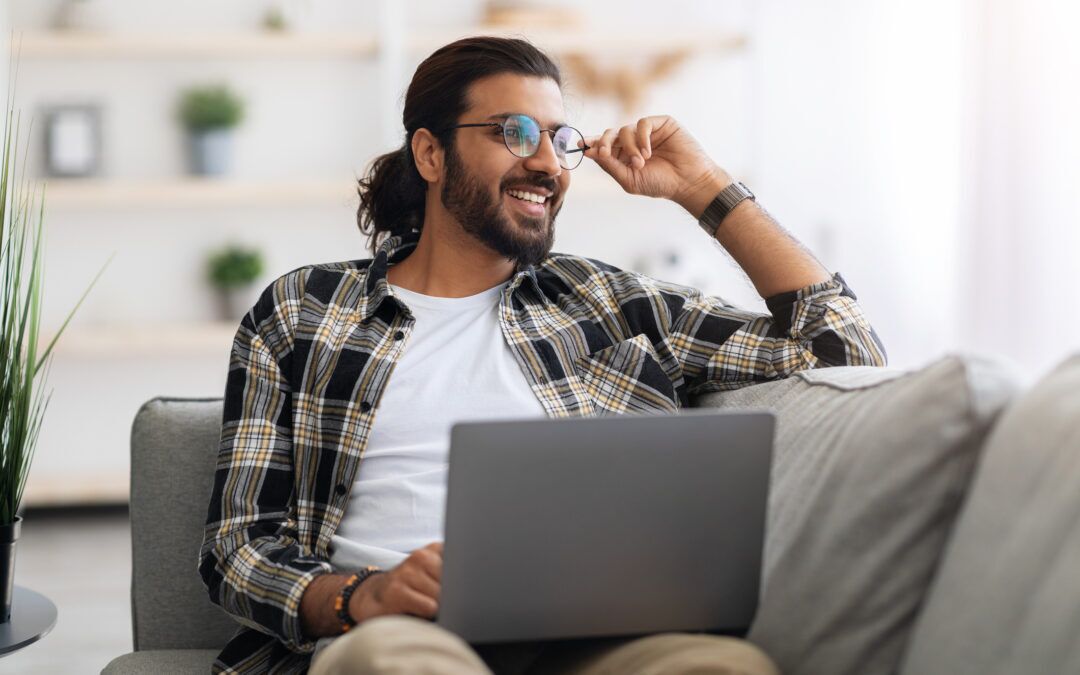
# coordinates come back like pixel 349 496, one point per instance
pixel 528 196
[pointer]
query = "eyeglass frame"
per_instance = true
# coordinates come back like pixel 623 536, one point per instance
pixel 502 126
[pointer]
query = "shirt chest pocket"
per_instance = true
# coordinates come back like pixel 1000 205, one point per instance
pixel 626 378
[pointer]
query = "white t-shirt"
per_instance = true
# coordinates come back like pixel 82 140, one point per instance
pixel 456 366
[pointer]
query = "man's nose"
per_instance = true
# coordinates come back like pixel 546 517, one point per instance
pixel 544 159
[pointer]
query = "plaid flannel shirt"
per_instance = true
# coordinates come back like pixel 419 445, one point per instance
pixel 311 359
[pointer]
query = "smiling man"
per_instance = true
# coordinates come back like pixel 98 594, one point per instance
pixel 324 526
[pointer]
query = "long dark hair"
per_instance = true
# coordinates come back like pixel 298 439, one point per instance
pixel 392 193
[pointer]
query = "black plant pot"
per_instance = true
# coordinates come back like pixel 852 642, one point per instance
pixel 9 534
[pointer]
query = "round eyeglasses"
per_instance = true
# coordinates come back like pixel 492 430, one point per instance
pixel 521 134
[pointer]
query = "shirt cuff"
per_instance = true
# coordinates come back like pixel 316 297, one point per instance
pixel 784 306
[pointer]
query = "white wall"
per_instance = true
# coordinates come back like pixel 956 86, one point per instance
pixel 859 152
pixel 5 10
pixel 1023 223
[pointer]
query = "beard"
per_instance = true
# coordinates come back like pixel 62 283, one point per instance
pixel 468 200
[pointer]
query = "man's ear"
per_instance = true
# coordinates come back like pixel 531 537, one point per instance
pixel 428 154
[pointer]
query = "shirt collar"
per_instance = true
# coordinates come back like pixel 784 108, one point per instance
pixel 396 248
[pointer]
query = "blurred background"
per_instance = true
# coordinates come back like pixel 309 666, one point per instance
pixel 926 150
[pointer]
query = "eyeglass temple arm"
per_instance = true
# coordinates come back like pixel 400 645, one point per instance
pixel 459 126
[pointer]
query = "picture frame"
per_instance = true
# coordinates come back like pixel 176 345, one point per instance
pixel 72 140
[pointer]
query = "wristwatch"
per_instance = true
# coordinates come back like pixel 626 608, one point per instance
pixel 722 205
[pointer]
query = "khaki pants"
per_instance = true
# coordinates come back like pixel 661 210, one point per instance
pixel 406 645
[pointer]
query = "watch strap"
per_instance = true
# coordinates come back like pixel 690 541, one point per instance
pixel 721 206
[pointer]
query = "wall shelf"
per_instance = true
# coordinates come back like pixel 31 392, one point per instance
pixel 614 43
pixel 68 193
pixel 78 489
pixel 117 193
pixel 618 63
pixel 131 340
pixel 105 45
pixel 57 44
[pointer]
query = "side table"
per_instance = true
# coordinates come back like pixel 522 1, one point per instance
pixel 32 617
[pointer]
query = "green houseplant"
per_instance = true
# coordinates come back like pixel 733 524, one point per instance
pixel 22 211
pixel 209 114
pixel 231 270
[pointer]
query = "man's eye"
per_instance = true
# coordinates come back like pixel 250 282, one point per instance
pixel 513 133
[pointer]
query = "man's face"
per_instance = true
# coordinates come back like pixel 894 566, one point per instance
pixel 481 172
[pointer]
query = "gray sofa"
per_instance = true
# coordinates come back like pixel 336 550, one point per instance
pixel 920 522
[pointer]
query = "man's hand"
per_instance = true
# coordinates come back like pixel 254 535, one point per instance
pixel 658 158
pixel 410 588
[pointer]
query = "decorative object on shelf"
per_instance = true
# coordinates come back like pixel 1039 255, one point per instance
pixel 274 19
pixel 232 270
pixel 209 115
pixel 595 63
pixel 625 82
pixel 83 15
pixel 287 15
pixel 22 209
pixel 532 14
pixel 72 140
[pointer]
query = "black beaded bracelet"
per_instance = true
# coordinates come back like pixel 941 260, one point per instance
pixel 341 602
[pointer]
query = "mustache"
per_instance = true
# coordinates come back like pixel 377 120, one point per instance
pixel 541 181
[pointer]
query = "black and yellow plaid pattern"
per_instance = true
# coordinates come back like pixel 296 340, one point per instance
pixel 311 359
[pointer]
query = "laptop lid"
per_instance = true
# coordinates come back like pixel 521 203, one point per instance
pixel 563 528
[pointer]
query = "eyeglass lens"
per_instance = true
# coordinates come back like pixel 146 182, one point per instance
pixel 522 136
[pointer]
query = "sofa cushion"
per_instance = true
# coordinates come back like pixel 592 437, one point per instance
pixel 870 467
pixel 174 444
pixel 1007 597
pixel 171 661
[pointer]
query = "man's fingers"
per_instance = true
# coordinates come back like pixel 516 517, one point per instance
pixel 601 151
pixel 644 136
pixel 604 144
pixel 429 560
pixel 631 155
pixel 416 603
pixel 422 581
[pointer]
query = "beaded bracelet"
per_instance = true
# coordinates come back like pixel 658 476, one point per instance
pixel 341 602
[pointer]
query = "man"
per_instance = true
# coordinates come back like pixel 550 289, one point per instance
pixel 326 513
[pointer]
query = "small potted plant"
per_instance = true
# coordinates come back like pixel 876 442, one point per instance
pixel 231 271
pixel 287 15
pixel 209 115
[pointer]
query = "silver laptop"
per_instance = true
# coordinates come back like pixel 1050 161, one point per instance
pixel 567 528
